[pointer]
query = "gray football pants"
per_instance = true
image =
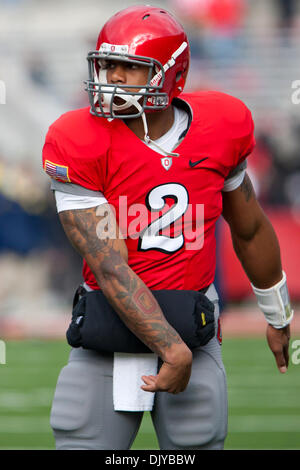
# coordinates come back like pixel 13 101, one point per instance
pixel 82 415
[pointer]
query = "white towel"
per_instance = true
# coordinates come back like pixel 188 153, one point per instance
pixel 127 372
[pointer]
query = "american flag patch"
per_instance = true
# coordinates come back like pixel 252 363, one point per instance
pixel 58 172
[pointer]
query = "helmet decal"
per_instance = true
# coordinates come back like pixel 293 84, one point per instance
pixel 118 48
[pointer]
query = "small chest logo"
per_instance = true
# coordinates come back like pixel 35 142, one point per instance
pixel 193 164
pixel 166 162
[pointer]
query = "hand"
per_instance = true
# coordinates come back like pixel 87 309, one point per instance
pixel 278 341
pixel 174 374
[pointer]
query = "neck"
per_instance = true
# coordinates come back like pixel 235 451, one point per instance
pixel 158 124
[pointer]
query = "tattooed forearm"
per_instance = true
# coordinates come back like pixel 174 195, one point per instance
pixel 144 301
pixel 246 188
pixel 81 224
pixel 138 309
pixel 106 255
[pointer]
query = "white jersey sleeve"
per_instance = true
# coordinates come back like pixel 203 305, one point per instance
pixel 234 182
pixel 235 178
pixel 73 196
pixel 65 201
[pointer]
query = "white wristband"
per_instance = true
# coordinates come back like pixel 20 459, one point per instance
pixel 275 303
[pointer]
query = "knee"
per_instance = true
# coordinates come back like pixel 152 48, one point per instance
pixel 73 406
pixel 197 418
pixel 82 414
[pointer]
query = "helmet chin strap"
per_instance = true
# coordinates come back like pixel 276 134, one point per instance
pixel 129 100
pixel 150 141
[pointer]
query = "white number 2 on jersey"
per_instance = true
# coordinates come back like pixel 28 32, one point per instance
pixel 151 238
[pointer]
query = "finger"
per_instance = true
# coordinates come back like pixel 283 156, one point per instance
pixel 149 378
pixel 149 388
pixel 281 362
pixel 154 384
pixel 286 345
pixel 155 387
pixel 286 355
pixel 150 384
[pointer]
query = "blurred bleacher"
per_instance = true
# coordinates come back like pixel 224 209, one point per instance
pixel 43 46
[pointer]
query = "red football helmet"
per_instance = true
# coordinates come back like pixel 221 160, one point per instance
pixel 145 35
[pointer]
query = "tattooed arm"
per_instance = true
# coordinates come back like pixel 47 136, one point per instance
pixel 257 248
pixel 253 236
pixel 95 235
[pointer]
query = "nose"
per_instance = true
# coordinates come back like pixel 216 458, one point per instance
pixel 117 74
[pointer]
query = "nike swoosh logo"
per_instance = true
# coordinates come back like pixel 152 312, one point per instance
pixel 192 164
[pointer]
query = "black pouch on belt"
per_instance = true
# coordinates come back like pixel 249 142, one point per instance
pixel 95 325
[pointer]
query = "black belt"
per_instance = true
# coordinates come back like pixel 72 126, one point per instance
pixel 81 290
pixel 95 325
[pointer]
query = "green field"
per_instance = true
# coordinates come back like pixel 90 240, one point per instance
pixel 264 406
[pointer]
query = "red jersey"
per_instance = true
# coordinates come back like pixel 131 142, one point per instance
pixel 167 207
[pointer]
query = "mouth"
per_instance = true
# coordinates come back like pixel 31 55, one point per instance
pixel 119 101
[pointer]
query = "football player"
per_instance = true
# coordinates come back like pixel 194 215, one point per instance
pixel 143 146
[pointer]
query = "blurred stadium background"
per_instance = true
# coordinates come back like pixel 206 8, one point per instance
pixel 248 48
